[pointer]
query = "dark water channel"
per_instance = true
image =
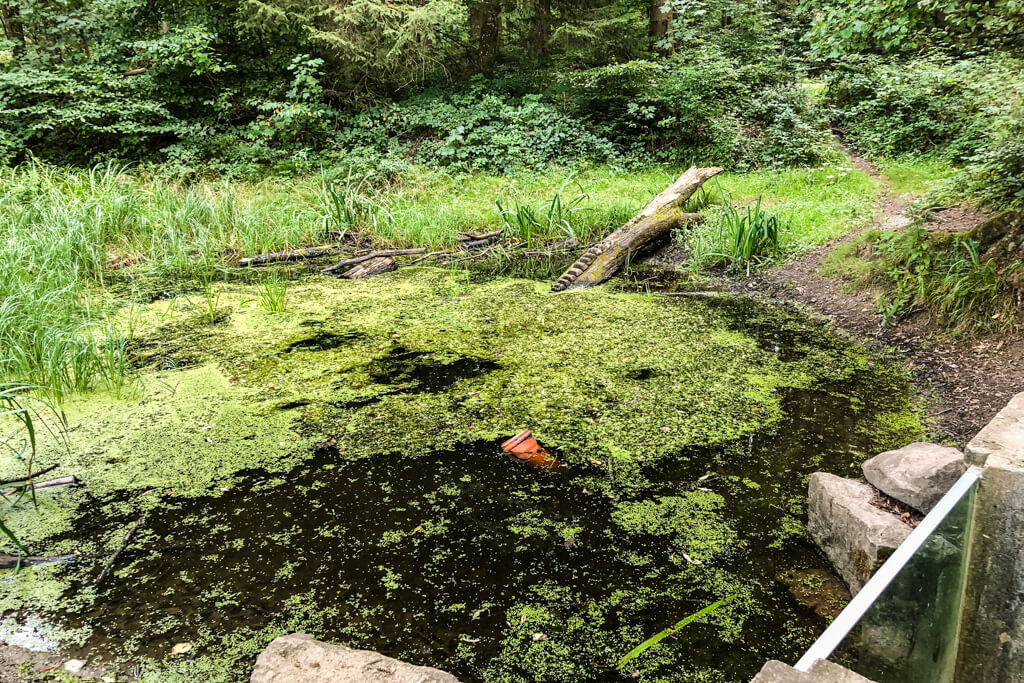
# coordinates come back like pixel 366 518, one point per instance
pixel 457 558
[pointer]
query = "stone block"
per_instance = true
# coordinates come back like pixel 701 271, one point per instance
pixel 829 672
pixel 822 671
pixel 918 474
pixel 1003 436
pixel 299 658
pixel 775 671
pixel 856 536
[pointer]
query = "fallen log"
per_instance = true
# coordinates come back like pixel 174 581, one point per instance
pixel 703 293
pixel 467 241
pixel 282 256
pixel 471 237
pixel 372 255
pixel 375 266
pixel 470 241
pixel 664 212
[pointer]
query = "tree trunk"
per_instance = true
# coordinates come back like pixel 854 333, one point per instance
pixel 485 31
pixel 659 18
pixel 13 28
pixel 602 260
pixel 540 29
pixel 375 266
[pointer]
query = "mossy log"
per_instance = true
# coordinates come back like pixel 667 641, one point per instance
pixel 374 266
pixel 664 212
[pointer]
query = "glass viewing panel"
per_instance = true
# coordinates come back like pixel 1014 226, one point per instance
pixel 908 635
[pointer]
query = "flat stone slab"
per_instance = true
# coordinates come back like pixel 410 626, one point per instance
pixel 856 536
pixel 1003 437
pixel 299 658
pixel 919 474
pixel 822 671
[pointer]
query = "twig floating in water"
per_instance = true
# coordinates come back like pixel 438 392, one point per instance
pixel 49 483
pixel 113 558
pixel 13 561
pixel 17 480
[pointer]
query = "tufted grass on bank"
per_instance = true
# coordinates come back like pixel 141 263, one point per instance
pixel 813 205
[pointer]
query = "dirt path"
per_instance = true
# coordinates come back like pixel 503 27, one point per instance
pixel 971 381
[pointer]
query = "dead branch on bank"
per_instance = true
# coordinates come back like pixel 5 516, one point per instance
pixel 284 256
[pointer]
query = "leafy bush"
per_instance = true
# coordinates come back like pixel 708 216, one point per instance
pixel 922 107
pixel 480 129
pixel 77 114
pixel 893 26
pixel 701 106
pixel 784 129
pixel 968 112
pixel 995 174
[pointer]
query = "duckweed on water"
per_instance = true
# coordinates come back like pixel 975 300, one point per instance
pixel 335 468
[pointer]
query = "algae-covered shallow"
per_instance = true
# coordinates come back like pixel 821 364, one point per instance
pixel 335 469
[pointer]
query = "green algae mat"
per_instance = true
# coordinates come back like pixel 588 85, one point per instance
pixel 336 469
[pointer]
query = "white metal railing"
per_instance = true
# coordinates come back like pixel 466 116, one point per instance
pixel 855 610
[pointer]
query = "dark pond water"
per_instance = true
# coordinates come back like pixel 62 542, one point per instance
pixel 460 558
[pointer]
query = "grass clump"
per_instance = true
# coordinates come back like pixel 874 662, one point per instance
pixel 273 290
pixel 745 236
pixel 916 176
pixel 63 231
pixel 559 215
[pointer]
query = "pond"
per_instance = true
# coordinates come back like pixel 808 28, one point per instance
pixel 336 469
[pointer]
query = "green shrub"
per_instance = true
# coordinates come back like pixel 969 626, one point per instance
pixel 967 112
pixel 476 126
pixel 995 174
pixel 921 107
pixel 841 27
pixel 701 106
pixel 478 129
